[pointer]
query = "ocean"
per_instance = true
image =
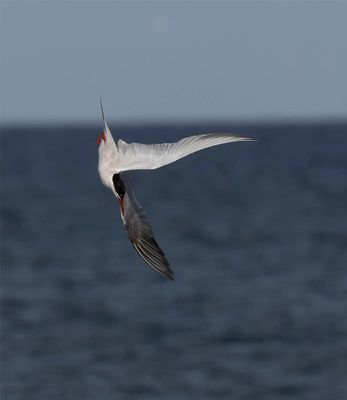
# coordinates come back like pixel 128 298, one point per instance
pixel 256 234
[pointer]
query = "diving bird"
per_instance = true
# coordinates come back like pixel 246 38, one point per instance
pixel 116 157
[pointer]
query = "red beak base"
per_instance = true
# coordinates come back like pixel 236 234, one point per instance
pixel 103 137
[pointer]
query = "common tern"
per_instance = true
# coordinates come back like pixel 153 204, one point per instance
pixel 116 157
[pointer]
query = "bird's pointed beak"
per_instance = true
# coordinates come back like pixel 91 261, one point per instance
pixel 103 115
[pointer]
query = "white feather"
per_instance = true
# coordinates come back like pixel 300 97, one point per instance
pixel 151 156
pixel 131 156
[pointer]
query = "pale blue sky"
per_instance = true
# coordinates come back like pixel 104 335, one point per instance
pixel 159 61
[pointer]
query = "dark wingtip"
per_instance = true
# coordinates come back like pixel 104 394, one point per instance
pixel 169 275
pixel 163 269
pixel 168 271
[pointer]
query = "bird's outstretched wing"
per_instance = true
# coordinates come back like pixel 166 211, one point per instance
pixel 151 156
pixel 138 228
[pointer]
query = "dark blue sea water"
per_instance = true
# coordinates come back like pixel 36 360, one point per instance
pixel 256 234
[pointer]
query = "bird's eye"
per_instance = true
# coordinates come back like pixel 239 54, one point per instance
pixel 119 185
pixel 120 189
